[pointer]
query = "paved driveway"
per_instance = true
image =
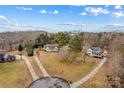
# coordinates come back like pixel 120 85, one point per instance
pixel 33 74
pixel 90 75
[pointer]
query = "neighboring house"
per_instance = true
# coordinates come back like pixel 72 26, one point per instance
pixel 95 52
pixel 51 47
pixel 6 58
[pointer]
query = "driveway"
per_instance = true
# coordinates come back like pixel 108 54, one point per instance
pixel 33 74
pixel 90 75
pixel 44 72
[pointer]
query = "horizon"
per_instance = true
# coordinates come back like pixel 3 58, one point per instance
pixel 55 18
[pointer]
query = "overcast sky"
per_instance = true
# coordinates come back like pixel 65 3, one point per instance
pixel 60 18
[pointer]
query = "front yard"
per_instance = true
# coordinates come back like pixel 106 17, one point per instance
pixel 72 72
pixel 14 74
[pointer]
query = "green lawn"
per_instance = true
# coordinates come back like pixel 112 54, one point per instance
pixel 14 74
pixel 71 72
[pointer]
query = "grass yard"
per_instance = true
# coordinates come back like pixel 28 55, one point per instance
pixel 99 80
pixel 71 72
pixel 14 52
pixel 14 74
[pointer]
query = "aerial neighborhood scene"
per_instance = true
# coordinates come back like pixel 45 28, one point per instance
pixel 61 46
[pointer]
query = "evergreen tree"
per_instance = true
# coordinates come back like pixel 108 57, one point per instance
pixel 62 38
pixel 43 39
pixel 30 51
pixel 30 48
pixel 20 47
pixel 75 44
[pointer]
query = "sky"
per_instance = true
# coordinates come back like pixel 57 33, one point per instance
pixel 54 18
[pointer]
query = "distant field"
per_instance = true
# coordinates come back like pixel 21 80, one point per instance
pixel 71 72
pixel 14 74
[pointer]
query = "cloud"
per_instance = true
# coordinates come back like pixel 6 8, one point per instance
pixel 11 25
pixel 9 22
pixel 23 8
pixel 68 23
pixel 71 23
pixel 14 20
pixel 97 11
pixel 55 12
pixel 106 5
pixel 114 27
pixel 118 14
pixel 3 17
pixel 43 11
pixel 77 5
pixel 118 7
pixel 83 14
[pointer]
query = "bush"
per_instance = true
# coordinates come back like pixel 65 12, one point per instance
pixel 20 47
pixel 30 52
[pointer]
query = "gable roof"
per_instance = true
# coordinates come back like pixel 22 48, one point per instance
pixel 51 46
pixel 96 49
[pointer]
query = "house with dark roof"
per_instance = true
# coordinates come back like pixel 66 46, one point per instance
pixel 51 47
pixel 6 58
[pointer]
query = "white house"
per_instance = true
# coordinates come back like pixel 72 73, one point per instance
pixel 95 52
pixel 51 47
pixel 89 52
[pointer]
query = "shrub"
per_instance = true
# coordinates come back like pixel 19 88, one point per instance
pixel 20 47
pixel 30 52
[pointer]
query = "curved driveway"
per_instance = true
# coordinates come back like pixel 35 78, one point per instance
pixel 90 75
